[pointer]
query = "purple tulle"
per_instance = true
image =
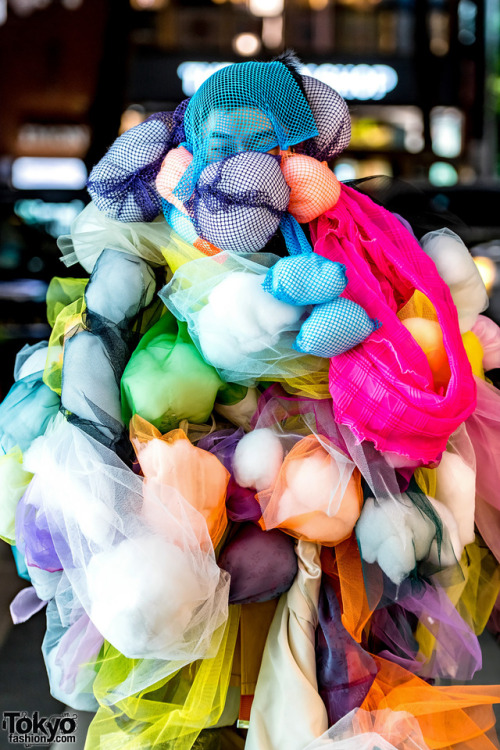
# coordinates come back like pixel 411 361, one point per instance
pixel 394 629
pixel 33 537
pixel 344 670
pixel 241 503
pixel 79 645
pixel 262 564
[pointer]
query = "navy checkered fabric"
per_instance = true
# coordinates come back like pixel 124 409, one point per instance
pixel 239 201
pixel 331 115
pixel 122 184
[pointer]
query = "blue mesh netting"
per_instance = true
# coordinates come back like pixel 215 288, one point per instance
pixel 122 183
pixel 244 107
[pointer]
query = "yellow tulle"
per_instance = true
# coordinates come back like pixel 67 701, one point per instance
pixel 474 352
pixel 13 482
pixel 61 293
pixel 310 384
pixel 68 319
pixel 426 480
pixel 178 252
pixel 473 593
pixel 170 713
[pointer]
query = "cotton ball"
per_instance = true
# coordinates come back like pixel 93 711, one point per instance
pixel 396 558
pixel 223 219
pixel 257 459
pixel 67 496
pixel 384 538
pixel 240 318
pixel 143 595
pixel 395 534
pixel 233 301
pixel 218 346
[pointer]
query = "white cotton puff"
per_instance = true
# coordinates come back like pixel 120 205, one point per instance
pixel 143 593
pixel 257 459
pixel 456 267
pixel 395 535
pixel 241 318
pixel 311 484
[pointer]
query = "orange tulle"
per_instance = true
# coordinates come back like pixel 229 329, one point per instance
pixel 316 497
pixel 173 460
pixel 206 247
pixel 344 567
pixel 459 717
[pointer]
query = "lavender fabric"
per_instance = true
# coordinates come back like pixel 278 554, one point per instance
pixel 25 604
pixel 262 564
pixel 33 537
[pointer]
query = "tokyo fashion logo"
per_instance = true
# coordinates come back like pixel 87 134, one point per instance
pixel 23 729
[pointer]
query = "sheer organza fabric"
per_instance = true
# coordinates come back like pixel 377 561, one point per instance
pixel 117 562
pixel 244 332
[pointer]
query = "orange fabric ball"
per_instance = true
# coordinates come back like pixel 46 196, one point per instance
pixel 313 186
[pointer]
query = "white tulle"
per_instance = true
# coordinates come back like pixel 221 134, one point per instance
pixel 92 231
pixel 372 730
pixel 153 595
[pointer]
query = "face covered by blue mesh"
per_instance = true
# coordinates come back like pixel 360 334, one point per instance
pixel 251 106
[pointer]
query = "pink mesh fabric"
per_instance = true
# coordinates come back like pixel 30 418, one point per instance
pixel 383 388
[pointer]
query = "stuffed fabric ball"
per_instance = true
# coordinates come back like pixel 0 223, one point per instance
pixel 305 280
pixel 313 186
pixel 240 201
pixel 262 564
pixel 122 184
pixel 333 328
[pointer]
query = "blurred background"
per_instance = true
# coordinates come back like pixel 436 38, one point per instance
pixel 421 77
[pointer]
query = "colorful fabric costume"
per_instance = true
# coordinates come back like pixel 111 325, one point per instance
pixel 253 474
